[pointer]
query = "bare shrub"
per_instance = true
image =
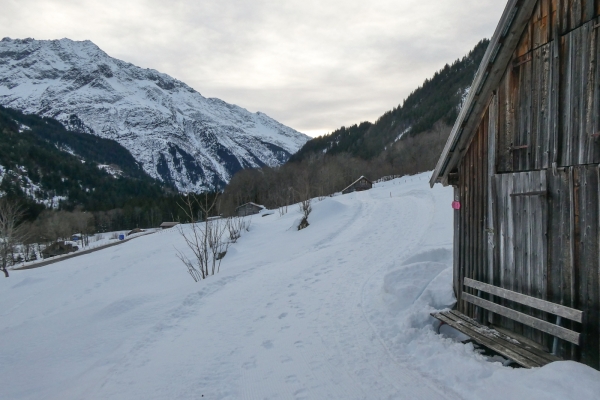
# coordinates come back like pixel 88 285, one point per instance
pixel 235 226
pixel 11 233
pixel 305 209
pixel 204 239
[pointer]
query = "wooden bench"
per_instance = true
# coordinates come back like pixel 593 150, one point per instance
pixel 517 350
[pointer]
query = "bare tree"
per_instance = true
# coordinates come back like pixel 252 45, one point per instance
pixel 82 223
pixel 204 239
pixel 11 233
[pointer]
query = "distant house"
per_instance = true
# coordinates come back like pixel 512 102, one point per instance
pixel 134 231
pixel 359 185
pixel 248 209
pixel 168 225
pixel 59 249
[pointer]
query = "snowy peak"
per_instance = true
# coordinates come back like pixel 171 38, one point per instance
pixel 178 135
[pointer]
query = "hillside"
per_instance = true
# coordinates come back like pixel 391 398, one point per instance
pixel 404 141
pixel 175 134
pixel 41 162
pixel 339 310
pixel 432 107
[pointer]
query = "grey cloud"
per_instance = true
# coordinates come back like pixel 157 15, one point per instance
pixel 313 65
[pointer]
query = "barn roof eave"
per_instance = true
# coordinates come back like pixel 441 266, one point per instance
pixel 497 56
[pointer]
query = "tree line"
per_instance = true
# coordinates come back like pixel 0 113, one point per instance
pixel 323 174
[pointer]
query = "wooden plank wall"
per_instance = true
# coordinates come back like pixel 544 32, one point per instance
pixel 586 204
pixel 550 94
pixel 473 193
pixel 561 264
pixel 573 258
pixel 522 236
pixel 541 131
pixel 579 94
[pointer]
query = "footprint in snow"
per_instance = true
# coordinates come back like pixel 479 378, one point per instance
pixel 283 315
pixel 285 359
pixel 268 344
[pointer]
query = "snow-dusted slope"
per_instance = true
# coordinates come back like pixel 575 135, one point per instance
pixel 176 133
pixel 339 310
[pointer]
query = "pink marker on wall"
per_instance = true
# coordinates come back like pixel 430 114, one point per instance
pixel 456 205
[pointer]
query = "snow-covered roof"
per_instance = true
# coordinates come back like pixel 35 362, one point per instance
pixel 251 203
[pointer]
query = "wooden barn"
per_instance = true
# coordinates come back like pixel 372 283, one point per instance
pixel 523 158
pixel 359 185
pixel 248 209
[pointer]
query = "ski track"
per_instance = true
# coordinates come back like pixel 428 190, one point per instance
pixel 288 317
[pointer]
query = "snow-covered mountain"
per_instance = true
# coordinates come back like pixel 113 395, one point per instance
pixel 178 135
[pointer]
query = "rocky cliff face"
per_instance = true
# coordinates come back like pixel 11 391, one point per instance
pixel 177 135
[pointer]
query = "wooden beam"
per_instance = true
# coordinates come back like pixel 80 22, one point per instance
pixel 543 305
pixel 536 193
pixel 533 322
pixel 518 147
pixel 521 353
pixel 518 62
pixel 531 352
pixel 487 342
pixel 453 179
pixel 508 33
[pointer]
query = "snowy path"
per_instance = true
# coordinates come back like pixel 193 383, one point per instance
pixel 336 311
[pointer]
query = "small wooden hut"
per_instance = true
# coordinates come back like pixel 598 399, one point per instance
pixel 359 185
pixel 248 209
pixel 523 158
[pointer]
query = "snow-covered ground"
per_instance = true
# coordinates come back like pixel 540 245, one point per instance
pixel 339 310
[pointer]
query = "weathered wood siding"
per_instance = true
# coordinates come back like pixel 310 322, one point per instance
pixel 521 226
pixel 579 95
pixel 529 183
pixel 550 95
pixel 473 214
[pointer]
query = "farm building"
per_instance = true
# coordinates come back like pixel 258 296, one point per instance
pixel 359 185
pixel 168 225
pixel 248 209
pixel 523 158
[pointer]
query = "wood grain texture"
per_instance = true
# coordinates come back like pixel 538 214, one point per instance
pixel 522 354
pixel 525 319
pixel 556 309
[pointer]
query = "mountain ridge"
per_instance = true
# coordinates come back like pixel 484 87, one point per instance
pixel 434 105
pixel 177 135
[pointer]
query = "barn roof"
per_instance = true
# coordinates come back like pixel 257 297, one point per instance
pixel 515 18
pixel 356 181
pixel 251 203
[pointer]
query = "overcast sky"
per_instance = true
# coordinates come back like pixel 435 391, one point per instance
pixel 312 65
